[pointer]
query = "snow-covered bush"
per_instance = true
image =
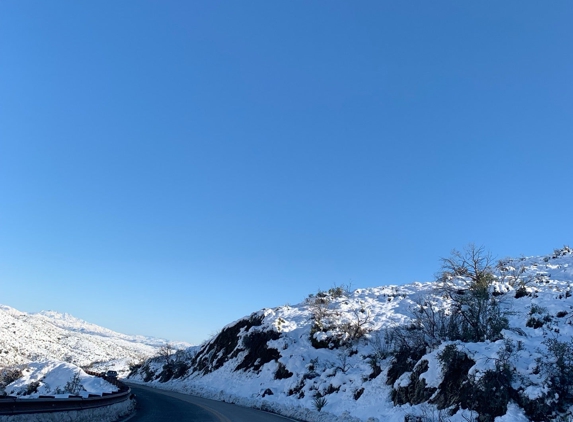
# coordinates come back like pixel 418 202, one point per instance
pixel 8 375
pixel 538 317
pixel 475 313
pixel 332 328
pixel 557 367
pixel 74 385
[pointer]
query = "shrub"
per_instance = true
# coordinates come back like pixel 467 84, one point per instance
pixel 476 313
pixel 331 389
pixel 473 263
pixel 431 326
pixel 282 372
pixel 319 306
pixel 134 367
pixel 318 344
pixel 537 317
pixel 557 366
pixel 32 388
pixel 448 355
pixel 74 385
pixel 520 292
pixel 319 402
pixel 455 387
pixel 174 369
pixel 337 291
pixel 375 365
pixel 9 374
pixel 380 344
pixel 312 370
pixel 148 373
pixel 494 389
pixel 562 252
pixel 357 328
pixel 343 364
pixel 491 394
pixel 297 390
pixel 404 361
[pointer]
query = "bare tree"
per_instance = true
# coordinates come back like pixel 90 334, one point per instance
pixel 360 326
pixel 466 279
pixel 166 351
pixel 473 263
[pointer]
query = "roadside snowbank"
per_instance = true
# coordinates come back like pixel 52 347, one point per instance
pixel 55 378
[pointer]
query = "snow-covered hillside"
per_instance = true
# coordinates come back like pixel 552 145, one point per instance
pixel 28 337
pixel 476 345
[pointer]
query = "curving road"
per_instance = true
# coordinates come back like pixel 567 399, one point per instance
pixel 154 405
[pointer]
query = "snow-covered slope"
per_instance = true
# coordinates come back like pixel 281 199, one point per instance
pixel 28 337
pixel 396 353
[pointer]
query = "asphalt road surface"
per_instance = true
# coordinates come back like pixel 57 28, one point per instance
pixel 154 405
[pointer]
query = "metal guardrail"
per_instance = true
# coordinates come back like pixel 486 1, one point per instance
pixel 10 405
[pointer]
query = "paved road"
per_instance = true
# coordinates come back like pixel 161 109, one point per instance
pixel 154 405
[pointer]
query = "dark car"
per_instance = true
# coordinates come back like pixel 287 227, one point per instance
pixel 111 374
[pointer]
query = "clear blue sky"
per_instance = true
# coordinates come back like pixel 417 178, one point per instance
pixel 167 167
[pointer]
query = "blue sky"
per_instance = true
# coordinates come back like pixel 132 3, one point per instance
pixel 167 167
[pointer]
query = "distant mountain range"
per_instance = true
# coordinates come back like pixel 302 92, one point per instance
pixel 26 337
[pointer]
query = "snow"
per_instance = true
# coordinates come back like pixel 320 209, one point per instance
pixel 28 337
pixel 514 414
pixel 343 375
pixel 111 413
pixel 433 376
pixel 49 347
pixel 56 378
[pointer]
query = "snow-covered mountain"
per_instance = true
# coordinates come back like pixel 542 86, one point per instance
pixel 483 343
pixel 26 337
pixel 71 323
